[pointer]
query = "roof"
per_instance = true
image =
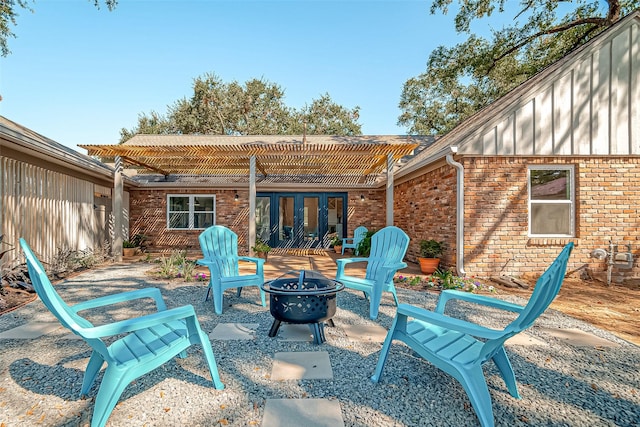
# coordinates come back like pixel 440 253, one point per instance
pixel 348 160
pixel 461 133
pixel 24 139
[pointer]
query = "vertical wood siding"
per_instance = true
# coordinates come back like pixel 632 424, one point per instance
pixel 590 106
pixel 49 209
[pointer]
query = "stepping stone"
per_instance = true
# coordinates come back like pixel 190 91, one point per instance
pixel 293 332
pixel 30 331
pixel 365 333
pixel 302 412
pixel 579 338
pixel 527 340
pixel 301 365
pixel 234 331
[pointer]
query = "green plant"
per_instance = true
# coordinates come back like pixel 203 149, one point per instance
pixel 128 244
pixel 136 241
pixel 261 247
pixel 186 270
pixel 431 248
pixel 364 247
pixel 335 241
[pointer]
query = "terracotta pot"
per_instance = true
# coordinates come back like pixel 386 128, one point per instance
pixel 129 251
pixel 429 265
pixel 263 255
pixel 338 249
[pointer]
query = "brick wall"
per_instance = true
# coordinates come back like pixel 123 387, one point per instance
pixel 496 213
pixel 149 217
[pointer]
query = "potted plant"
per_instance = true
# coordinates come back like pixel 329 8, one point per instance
pixel 430 252
pixel 129 248
pixel 261 249
pixel 336 242
pixel 132 247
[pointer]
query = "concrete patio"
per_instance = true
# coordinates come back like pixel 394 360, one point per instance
pixel 569 373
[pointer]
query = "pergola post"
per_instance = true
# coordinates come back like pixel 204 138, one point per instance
pixel 116 210
pixel 252 202
pixel 390 189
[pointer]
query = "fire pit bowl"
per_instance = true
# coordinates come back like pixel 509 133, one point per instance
pixel 302 297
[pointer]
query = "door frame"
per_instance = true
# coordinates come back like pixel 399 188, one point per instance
pixel 323 216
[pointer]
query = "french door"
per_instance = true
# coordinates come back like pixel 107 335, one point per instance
pixel 300 220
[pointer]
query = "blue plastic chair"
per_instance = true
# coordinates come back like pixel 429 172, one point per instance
pixel 144 342
pixel 220 250
pixel 453 346
pixel 358 235
pixel 388 247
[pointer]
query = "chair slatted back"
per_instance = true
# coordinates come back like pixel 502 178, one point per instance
pixel 52 300
pixel 545 291
pixel 220 244
pixel 388 246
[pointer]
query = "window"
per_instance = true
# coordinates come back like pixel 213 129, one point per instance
pixel 551 201
pixel 190 212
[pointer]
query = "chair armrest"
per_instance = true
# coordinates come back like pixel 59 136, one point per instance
pixel 390 270
pixel 251 259
pixel 342 262
pixel 448 322
pixel 138 323
pixel 346 239
pixel 451 294
pixel 153 293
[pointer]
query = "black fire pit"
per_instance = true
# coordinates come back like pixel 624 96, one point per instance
pixel 302 297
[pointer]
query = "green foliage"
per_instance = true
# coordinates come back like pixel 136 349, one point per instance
pixel 431 248
pixel 186 270
pixel 170 267
pixel 364 247
pixel 254 108
pixel 461 80
pixel 261 247
pixel 335 241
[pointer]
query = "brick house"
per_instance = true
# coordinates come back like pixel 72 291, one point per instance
pixel 555 160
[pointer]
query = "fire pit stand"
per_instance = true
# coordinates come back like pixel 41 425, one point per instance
pixel 303 297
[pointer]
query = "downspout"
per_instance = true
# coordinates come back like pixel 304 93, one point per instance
pixel 459 211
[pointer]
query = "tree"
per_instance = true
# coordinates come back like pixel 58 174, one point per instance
pixel 8 17
pixel 461 80
pixel 255 108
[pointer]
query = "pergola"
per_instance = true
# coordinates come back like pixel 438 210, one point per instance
pixel 359 161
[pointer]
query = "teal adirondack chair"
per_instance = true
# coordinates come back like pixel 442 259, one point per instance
pixel 388 247
pixel 353 242
pixel 220 250
pixel 144 342
pixel 453 346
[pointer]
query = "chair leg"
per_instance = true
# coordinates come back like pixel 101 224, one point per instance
pixel 504 366
pixel 374 302
pixel 112 386
pixel 93 368
pixel 211 361
pixel 206 297
pixel 384 352
pixel 262 297
pixel 217 300
pixel 239 291
pixel 342 249
pixel 475 385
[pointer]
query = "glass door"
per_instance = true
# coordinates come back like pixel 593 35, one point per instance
pixel 299 220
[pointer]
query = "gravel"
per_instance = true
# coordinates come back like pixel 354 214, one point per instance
pixel 560 384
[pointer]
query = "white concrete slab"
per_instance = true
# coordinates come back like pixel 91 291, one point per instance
pixel 366 333
pixel 301 365
pixel 30 330
pixel 302 412
pixel 293 332
pixel 234 331
pixel 526 340
pixel 579 338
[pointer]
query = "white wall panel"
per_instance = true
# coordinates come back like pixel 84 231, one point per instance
pixel 562 113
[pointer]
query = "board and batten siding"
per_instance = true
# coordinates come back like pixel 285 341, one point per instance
pixel 590 106
pixel 49 209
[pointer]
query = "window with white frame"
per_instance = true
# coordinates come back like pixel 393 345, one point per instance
pixel 190 211
pixel 551 201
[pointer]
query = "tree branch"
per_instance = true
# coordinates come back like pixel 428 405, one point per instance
pixel 598 22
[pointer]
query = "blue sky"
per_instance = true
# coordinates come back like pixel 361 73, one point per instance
pixel 78 75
